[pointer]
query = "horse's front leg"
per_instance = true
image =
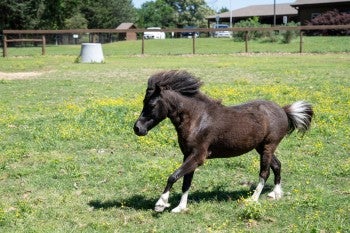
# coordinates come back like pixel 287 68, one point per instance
pixel 185 190
pixel 187 167
pixel 162 203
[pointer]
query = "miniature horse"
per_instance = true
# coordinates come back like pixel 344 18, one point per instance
pixel 206 129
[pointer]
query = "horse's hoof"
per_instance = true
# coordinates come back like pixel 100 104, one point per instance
pixel 274 195
pixel 160 208
pixel 179 210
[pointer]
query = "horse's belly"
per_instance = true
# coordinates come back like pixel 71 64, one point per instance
pixel 224 152
pixel 228 145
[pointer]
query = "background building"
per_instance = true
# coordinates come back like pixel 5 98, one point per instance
pixel 299 11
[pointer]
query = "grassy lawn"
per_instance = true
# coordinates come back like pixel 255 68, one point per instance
pixel 69 161
pixel 202 45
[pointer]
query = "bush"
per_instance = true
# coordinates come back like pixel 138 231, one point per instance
pixel 267 36
pixel 333 17
pixel 250 209
pixel 252 35
pixel 288 36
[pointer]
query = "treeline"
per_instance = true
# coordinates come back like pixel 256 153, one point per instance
pixel 103 14
pixel 65 14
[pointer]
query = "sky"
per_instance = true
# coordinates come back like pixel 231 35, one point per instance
pixel 229 4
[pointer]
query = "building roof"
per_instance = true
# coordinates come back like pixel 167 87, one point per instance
pixel 124 26
pixel 259 10
pixel 311 2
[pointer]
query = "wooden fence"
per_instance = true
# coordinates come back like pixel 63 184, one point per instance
pixel 42 41
pixel 92 32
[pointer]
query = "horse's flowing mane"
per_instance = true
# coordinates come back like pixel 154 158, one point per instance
pixel 177 80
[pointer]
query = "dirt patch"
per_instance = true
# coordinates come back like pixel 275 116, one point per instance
pixel 19 75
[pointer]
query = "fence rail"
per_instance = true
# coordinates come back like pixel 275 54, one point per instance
pixel 42 41
pixel 301 29
pixel 234 29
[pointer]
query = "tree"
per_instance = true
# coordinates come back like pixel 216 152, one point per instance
pixel 34 13
pixel 60 14
pixel 223 9
pixel 54 14
pixel 108 13
pixel 191 12
pixel 171 13
pixel 76 22
pixel 12 14
pixel 157 13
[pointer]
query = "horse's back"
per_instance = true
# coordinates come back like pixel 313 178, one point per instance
pixel 268 113
pixel 246 126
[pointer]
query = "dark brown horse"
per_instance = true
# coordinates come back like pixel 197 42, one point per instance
pixel 206 129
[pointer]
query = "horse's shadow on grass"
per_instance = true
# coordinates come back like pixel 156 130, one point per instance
pixel 141 202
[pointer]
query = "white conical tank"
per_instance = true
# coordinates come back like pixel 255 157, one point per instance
pixel 91 53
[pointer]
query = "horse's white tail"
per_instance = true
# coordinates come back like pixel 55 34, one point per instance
pixel 299 116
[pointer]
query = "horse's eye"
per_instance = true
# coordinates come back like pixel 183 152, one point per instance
pixel 153 103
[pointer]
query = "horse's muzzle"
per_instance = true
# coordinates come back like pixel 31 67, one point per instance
pixel 139 129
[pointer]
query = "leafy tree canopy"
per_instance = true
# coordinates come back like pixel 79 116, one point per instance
pixel 75 14
pixel 156 13
pixel 63 14
pixel 108 13
pixel 173 13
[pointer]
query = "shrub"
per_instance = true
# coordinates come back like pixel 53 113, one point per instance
pixel 288 36
pixel 251 23
pixel 333 17
pixel 250 209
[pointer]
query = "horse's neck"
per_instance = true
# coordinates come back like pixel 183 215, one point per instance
pixel 185 111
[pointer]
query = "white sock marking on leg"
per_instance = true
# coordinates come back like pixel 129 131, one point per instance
pixel 162 203
pixel 183 203
pixel 276 193
pixel 258 189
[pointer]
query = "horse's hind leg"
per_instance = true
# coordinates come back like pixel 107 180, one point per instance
pixel 266 155
pixel 276 168
pixel 258 189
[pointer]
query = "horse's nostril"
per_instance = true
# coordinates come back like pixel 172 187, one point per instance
pixel 140 128
pixel 140 131
pixel 136 129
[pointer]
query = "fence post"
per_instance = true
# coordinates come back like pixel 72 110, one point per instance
pixel 4 52
pixel 301 42
pixel 246 41
pixel 43 50
pixel 193 43
pixel 143 44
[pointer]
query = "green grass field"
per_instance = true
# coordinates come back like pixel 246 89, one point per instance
pixel 70 162
pixel 202 46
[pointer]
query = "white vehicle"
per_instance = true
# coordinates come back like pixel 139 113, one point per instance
pixel 154 34
pixel 219 34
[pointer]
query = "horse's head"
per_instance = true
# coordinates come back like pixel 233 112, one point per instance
pixel 157 104
pixel 154 111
